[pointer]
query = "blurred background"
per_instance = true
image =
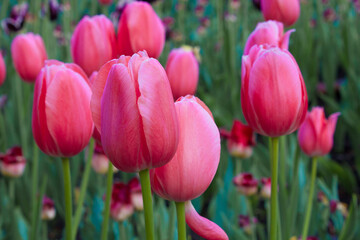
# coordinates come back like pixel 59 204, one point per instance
pixel 326 45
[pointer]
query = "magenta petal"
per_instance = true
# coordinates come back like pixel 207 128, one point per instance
pixel 202 226
pixel 285 40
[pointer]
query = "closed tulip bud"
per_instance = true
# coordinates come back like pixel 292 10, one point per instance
pixel 246 184
pixel 273 93
pixel 194 164
pixel 135 194
pixel 120 206
pixel 266 188
pixel 12 163
pixel 61 116
pixel 182 70
pixel 93 43
pixel 2 70
pixel 28 54
pixel 140 28
pixel 316 133
pixel 48 211
pixel 286 12
pixel 240 140
pixel 100 162
pixel 271 33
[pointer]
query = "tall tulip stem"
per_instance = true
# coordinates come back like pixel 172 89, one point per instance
pixel 109 181
pixel 68 197
pixel 148 206
pixel 34 191
pixel 310 200
pixel 84 183
pixel 180 212
pixel 274 183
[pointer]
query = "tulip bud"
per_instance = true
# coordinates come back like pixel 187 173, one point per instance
pixel 136 194
pixel 121 207
pixel 48 211
pixel 61 117
pixel 93 43
pixel 315 135
pixel 140 28
pixel 100 162
pixel 246 184
pixel 12 163
pixel 286 12
pixel 273 93
pixel 2 70
pixel 28 54
pixel 271 33
pixel 182 70
pixel 17 18
pixel 135 113
pixel 240 140
pixel 105 2
pixel 266 188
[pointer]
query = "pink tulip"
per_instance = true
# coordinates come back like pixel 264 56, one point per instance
pixel 316 133
pixel 12 163
pixel 61 119
pixel 140 28
pixel 194 165
pixel 105 2
pixel 182 69
pixel 48 211
pixel 240 140
pixel 266 188
pixel 96 134
pixel 273 93
pixel 100 162
pixel 93 43
pixel 246 184
pixel 2 70
pixel 120 206
pixel 28 54
pixel 134 112
pixel 136 194
pixel 246 223
pixel 285 11
pixel 270 32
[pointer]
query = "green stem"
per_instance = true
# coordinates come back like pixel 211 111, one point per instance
pixel 310 200
pixel 68 197
pixel 12 190
pixel 122 231
pixel 252 225
pixel 274 186
pixel 180 212
pixel 34 191
pixel 237 163
pixel 109 181
pixel 3 131
pixel 45 230
pixel 171 220
pixel 20 104
pixel 84 184
pixel 148 206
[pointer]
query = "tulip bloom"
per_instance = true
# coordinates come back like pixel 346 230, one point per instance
pixel 100 162
pixel 316 133
pixel 286 12
pixel 2 70
pixel 12 163
pixel 246 222
pixel 28 54
pixel 240 140
pixel 135 194
pixel 140 28
pixel 93 43
pixel 194 165
pixel 135 113
pixel 270 32
pixel 266 188
pixel 273 93
pixel 121 207
pixel 48 211
pixel 61 118
pixel 246 184
pixel 182 69
pixel 105 2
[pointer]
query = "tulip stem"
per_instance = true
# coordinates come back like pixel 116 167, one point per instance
pixel 148 206
pixel 274 183
pixel 84 184
pixel 310 200
pixel 180 212
pixel 109 182
pixel 68 197
pixel 122 230
pixel 34 191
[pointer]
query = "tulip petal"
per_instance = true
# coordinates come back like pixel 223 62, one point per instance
pixel 285 39
pixel 157 110
pixel 326 138
pixel 202 226
pixel 69 93
pixel 118 108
